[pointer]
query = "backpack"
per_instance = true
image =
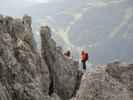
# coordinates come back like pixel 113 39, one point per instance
pixel 86 56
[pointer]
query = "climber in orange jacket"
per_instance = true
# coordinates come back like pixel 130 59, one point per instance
pixel 84 57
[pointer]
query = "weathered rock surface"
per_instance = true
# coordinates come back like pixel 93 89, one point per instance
pixel 19 29
pixel 24 74
pixel 64 72
pixel 28 75
pixel 108 82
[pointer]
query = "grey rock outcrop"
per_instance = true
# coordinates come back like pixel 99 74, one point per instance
pixel 26 74
pixel 108 82
pixel 122 73
pixel 64 73
pixel 19 29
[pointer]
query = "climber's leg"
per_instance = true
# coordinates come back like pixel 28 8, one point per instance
pixel 84 65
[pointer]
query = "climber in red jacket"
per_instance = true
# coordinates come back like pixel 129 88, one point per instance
pixel 84 57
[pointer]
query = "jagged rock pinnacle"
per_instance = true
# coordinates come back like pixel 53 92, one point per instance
pixel 17 28
pixel 27 75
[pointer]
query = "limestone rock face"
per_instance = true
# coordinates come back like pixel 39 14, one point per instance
pixel 19 29
pixel 26 74
pixel 27 21
pixel 64 72
pixel 122 73
pixel 108 82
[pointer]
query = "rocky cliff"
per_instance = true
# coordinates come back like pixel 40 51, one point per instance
pixel 109 82
pixel 26 74
pixel 64 73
